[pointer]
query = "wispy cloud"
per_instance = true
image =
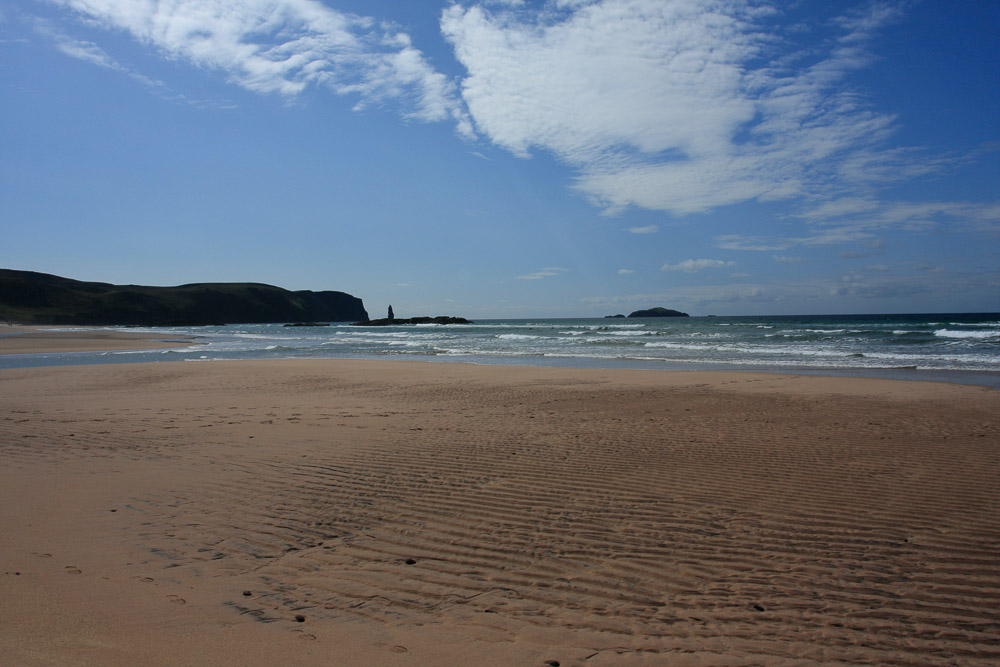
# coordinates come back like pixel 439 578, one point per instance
pixel 544 273
pixel 691 265
pixel 859 221
pixel 284 46
pixel 625 272
pixel 648 229
pixel 90 52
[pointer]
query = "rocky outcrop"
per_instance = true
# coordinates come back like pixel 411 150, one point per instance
pixel 440 319
pixel 40 298
pixel 658 312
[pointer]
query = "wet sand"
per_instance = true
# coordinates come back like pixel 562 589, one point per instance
pixel 21 339
pixel 393 513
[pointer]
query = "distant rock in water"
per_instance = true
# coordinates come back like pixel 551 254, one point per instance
pixel 613 317
pixel 308 324
pixel 440 319
pixel 658 312
pixel 39 298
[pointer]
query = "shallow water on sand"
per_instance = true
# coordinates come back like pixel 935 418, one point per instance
pixel 950 347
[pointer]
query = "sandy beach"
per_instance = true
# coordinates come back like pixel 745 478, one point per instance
pixel 394 513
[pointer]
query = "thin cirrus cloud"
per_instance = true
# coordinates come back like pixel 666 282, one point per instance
pixel 691 265
pixel 90 52
pixel 284 46
pixel 548 272
pixel 860 220
pixel 648 229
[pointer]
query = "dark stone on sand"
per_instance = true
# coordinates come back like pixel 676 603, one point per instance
pixel 552 663
pixel 758 607
pixel 410 561
pixel 300 618
pixel 658 312
pixel 247 594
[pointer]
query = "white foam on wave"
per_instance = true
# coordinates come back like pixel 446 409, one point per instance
pixel 519 337
pixel 374 335
pixel 952 333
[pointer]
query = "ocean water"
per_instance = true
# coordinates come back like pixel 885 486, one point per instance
pixel 950 347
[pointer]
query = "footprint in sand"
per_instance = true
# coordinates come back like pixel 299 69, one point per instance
pixel 308 637
pixel 72 569
pixel 41 555
pixel 175 599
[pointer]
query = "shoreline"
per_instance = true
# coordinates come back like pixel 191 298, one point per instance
pixel 77 342
pixel 55 339
pixel 413 513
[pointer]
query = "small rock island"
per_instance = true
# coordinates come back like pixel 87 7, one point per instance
pixel 658 312
pixel 392 321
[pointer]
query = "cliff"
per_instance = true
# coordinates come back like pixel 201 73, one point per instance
pixel 658 312
pixel 38 298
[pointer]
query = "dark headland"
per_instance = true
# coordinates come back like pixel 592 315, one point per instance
pixel 27 297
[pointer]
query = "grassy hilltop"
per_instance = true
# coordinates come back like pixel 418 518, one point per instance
pixel 27 297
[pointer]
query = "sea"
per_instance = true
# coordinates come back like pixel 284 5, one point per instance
pixel 963 347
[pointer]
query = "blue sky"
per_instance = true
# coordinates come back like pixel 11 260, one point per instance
pixel 512 159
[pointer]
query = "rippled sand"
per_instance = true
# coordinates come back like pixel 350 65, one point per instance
pixel 361 512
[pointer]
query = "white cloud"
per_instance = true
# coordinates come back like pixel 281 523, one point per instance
pixel 786 259
pixel 625 272
pixel 284 46
pixel 664 104
pixel 548 272
pixel 648 229
pixel 691 265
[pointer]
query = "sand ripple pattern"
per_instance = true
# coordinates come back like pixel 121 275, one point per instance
pixel 653 523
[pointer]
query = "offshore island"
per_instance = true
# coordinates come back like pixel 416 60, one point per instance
pixel 650 312
pixel 392 320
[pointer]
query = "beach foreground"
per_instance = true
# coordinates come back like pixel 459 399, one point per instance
pixel 392 513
